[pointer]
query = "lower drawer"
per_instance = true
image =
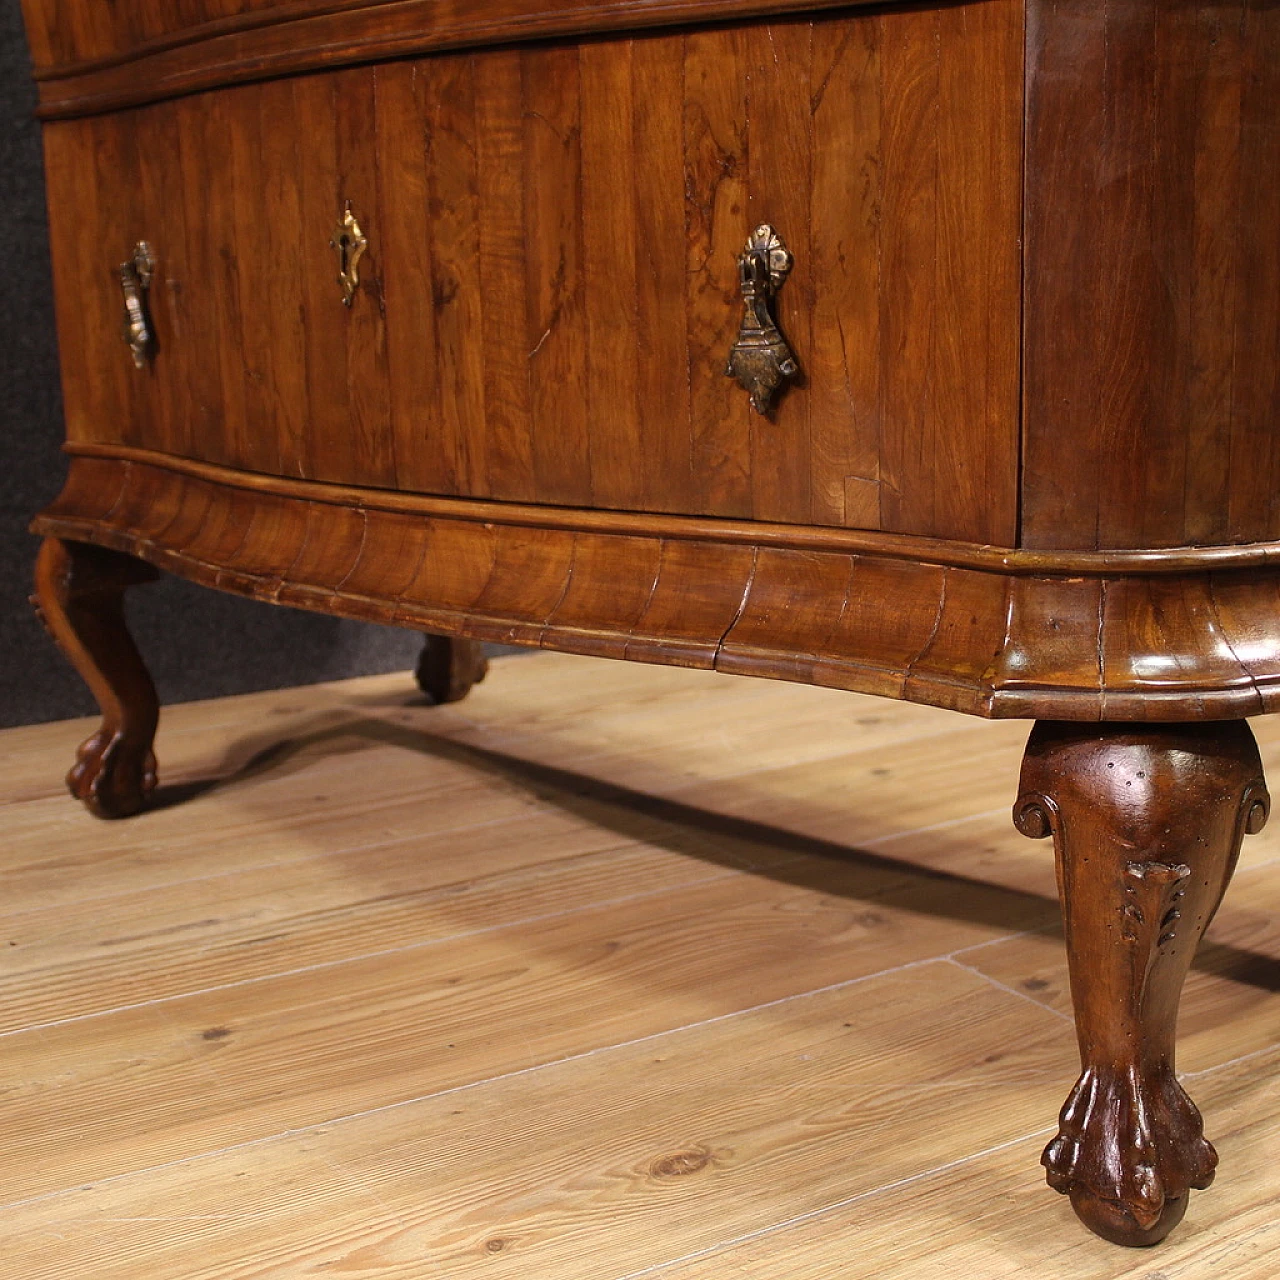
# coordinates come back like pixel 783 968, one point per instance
pixel 550 289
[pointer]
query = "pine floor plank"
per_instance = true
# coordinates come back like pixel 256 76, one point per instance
pixel 35 757
pixel 250 778
pixel 375 1030
pixel 608 971
pixel 977 1214
pixel 594 1167
pixel 194 935
pixel 70 869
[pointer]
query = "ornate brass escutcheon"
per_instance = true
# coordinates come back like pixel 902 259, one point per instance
pixel 135 280
pixel 350 243
pixel 761 360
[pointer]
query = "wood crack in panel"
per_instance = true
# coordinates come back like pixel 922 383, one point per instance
pixel 742 607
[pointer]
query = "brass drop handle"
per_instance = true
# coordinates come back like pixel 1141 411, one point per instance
pixel 761 360
pixel 135 281
pixel 349 242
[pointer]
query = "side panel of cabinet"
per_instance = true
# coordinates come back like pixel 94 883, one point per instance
pixel 1153 274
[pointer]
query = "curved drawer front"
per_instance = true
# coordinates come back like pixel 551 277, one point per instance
pixel 93 55
pixel 551 289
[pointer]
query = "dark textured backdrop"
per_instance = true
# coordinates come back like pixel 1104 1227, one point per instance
pixel 199 643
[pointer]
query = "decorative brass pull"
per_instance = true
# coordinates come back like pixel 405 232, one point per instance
pixel 135 280
pixel 350 243
pixel 761 360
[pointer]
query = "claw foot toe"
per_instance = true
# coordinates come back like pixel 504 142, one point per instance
pixel 113 778
pixel 1128 1151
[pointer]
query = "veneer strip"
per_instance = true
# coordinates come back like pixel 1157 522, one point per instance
pixel 992 558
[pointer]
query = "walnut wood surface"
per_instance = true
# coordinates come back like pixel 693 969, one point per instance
pixel 1013 561
pixel 1152 340
pixel 448 667
pixel 1027 469
pixel 91 59
pixel 1147 826
pixel 80 598
pixel 1161 646
pixel 525 333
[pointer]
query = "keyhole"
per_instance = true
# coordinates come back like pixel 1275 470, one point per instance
pixel 349 243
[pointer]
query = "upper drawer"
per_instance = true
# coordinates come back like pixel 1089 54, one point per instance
pixel 92 55
pixel 551 290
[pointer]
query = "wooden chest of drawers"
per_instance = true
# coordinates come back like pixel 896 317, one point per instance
pixel 429 309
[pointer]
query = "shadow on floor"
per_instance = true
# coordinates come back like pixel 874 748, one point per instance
pixel 784 855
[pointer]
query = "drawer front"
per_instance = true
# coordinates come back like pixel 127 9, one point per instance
pixel 551 286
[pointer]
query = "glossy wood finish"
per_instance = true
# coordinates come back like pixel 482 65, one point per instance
pixel 1147 826
pixel 289 36
pixel 1026 470
pixel 875 618
pixel 1152 340
pixel 80 598
pixel 551 288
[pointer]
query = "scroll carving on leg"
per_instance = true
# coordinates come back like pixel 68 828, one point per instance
pixel 1147 822
pixel 80 598
pixel 448 666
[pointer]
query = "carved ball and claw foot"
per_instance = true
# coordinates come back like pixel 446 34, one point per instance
pixel 448 666
pixel 1147 822
pixel 80 598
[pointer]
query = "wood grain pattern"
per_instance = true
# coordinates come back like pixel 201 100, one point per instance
pixel 648 927
pixel 886 1225
pixel 1152 324
pixel 844 358
pixel 552 349
pixel 285 39
pixel 638 1154
pixel 1030 298
pixel 362 343
pixel 1156 647
pixel 611 258
pixel 551 291
pixel 779 192
pixel 1014 561
pixel 1147 827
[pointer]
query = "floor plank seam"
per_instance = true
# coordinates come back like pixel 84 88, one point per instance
pixel 1013 991
pixel 466 1086
pixel 550 1149
pixel 812 761
pixel 1232 1062
pixel 995 942
pixel 373 955
pixel 932 826
pixel 837 1205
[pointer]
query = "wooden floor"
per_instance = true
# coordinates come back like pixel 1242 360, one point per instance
pixel 609 971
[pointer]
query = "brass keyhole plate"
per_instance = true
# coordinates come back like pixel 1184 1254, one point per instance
pixel 350 242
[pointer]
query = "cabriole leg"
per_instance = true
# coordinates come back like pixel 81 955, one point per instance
pixel 1147 822
pixel 449 666
pixel 80 596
